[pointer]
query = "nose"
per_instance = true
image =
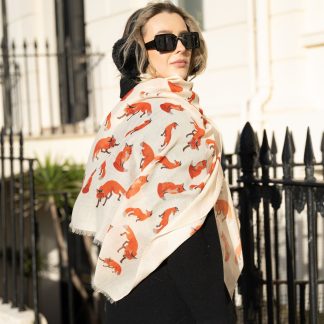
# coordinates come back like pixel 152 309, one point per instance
pixel 180 47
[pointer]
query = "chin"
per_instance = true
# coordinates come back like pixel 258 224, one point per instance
pixel 182 74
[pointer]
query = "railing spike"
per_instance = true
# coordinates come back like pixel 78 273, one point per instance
pixel 265 153
pixel 247 151
pixel 265 156
pixel 274 149
pixel 309 158
pixel 287 157
pixel 293 148
pixel 287 154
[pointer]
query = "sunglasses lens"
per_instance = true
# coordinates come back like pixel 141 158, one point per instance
pixel 165 42
pixel 168 42
pixel 190 40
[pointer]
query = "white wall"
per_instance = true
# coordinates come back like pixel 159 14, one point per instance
pixel 296 61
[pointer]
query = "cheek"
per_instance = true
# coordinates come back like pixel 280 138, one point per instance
pixel 157 60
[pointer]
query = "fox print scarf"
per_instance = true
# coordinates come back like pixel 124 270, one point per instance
pixel 152 176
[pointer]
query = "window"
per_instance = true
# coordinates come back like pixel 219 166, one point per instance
pixel 195 8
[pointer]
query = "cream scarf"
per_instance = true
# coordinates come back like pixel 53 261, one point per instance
pixel 152 176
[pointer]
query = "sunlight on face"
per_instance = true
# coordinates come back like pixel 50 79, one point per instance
pixel 176 62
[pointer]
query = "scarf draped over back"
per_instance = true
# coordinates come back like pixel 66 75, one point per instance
pixel 152 176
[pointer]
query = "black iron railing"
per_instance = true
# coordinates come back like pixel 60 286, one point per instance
pixel 260 201
pixel 18 226
pixel 30 77
pixel 271 288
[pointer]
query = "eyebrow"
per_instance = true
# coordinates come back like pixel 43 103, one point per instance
pixel 169 32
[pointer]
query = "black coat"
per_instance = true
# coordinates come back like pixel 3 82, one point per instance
pixel 188 287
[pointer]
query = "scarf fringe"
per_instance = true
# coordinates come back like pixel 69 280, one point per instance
pixel 98 290
pixel 81 232
pixel 97 242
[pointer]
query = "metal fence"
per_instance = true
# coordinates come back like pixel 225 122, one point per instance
pixel 31 79
pixel 269 206
pixel 19 284
pixel 279 205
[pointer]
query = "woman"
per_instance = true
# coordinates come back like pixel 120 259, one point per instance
pixel 153 181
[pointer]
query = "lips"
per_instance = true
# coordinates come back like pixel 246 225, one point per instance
pixel 180 63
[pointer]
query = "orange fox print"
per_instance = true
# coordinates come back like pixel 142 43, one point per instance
pixel 174 87
pixel 222 207
pixel 109 188
pixel 167 106
pixel 238 252
pixel 102 171
pixel 195 170
pixel 212 145
pixel 135 108
pixel 137 128
pixel 170 188
pixel 197 134
pixel 122 157
pixel 148 155
pixel 165 218
pixel 192 97
pixel 226 247
pixel 140 215
pixel 86 188
pixel 195 229
pixel 167 133
pixel 127 94
pixel 103 145
pixel 166 163
pixel 198 186
pixel 130 246
pixel 108 121
pixel 136 186
pixel 110 263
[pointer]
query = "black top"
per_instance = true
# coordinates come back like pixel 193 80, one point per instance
pixel 186 288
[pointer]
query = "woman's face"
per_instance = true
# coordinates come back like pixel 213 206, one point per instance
pixel 167 64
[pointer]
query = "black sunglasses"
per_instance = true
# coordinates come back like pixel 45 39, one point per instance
pixel 168 42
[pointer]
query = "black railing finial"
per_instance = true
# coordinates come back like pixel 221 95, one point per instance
pixel 293 148
pixel 265 157
pixel 248 151
pixel 309 158
pixel 287 156
pixel 273 149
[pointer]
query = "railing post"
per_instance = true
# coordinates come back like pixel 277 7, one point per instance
pixel 21 225
pixel 251 277
pixel 12 214
pixel 309 161
pixel 3 223
pixel 29 125
pixel 274 152
pixel 33 240
pixel 265 161
pixel 290 244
